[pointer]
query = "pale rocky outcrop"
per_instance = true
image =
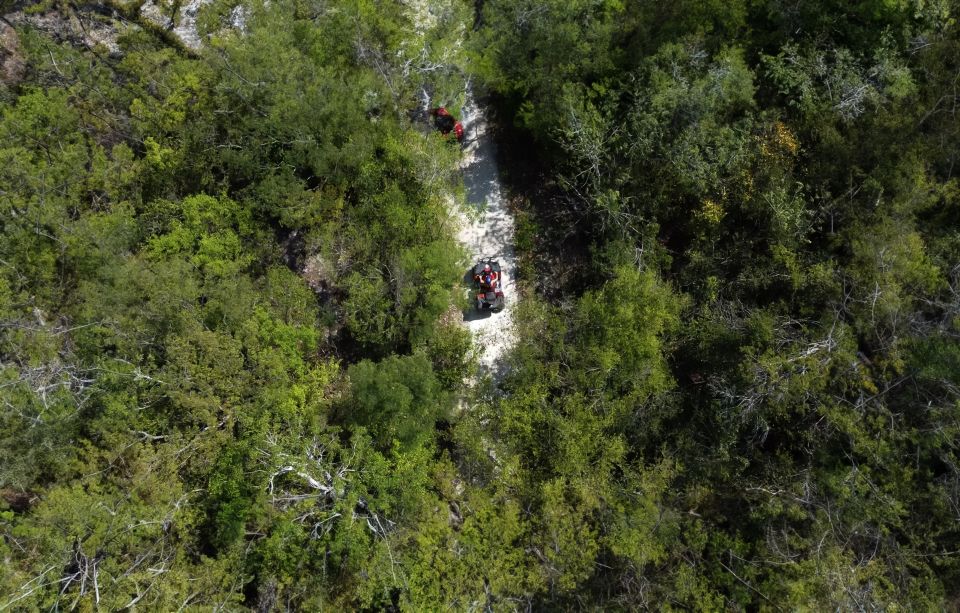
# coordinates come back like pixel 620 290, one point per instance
pixel 12 65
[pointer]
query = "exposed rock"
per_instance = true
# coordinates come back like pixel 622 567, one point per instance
pixel 12 64
pixel 98 33
pixel 154 13
pixel 238 17
pixel 99 26
pixel 83 28
pixel 318 273
pixel 183 25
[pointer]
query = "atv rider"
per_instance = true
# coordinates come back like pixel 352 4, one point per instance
pixel 488 277
pixel 446 122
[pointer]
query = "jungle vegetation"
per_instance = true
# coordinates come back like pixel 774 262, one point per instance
pixel 232 373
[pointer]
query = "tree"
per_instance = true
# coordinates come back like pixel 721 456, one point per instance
pixel 398 399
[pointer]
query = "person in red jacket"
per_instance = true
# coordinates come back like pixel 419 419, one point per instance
pixel 446 122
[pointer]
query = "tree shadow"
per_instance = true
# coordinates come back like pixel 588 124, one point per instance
pixel 473 314
pixel 480 180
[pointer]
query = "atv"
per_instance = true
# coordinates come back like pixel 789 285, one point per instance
pixel 489 284
pixel 446 123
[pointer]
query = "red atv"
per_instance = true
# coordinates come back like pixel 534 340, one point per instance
pixel 446 122
pixel 488 278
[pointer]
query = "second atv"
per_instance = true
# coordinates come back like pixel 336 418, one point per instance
pixel 447 123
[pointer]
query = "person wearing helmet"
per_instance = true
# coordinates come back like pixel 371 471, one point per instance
pixel 489 276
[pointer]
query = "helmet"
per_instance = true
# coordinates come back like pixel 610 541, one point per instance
pixel 486 268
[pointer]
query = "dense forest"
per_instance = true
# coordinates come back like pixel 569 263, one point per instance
pixel 233 373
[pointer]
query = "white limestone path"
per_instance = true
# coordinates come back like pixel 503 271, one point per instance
pixel 486 230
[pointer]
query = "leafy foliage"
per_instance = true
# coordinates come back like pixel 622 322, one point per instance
pixel 777 166
pixel 231 374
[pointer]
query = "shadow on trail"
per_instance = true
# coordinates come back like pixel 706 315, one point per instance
pixel 473 314
pixel 479 181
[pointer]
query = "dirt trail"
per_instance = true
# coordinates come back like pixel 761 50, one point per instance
pixel 487 231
